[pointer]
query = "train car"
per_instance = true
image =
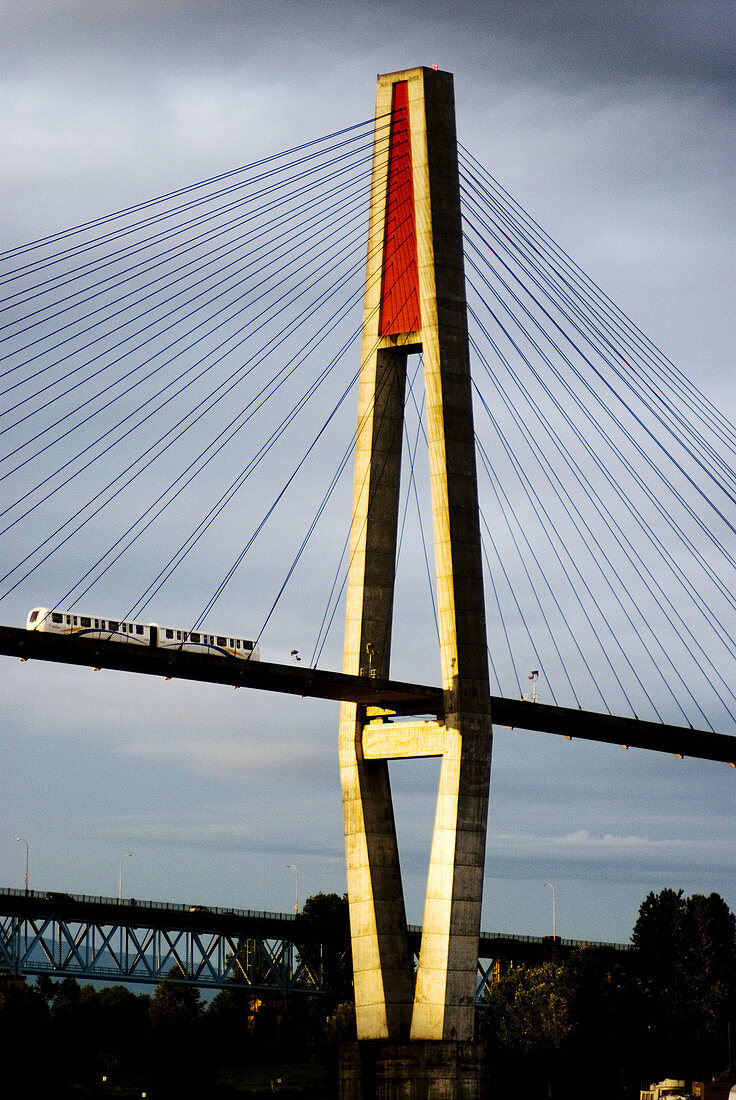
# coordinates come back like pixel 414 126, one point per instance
pixel 148 634
pixel 88 626
pixel 194 641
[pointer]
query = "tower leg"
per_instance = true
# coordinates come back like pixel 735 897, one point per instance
pixel 381 957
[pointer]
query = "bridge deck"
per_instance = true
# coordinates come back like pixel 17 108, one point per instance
pixel 390 695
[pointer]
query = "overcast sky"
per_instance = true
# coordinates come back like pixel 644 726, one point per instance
pixel 613 124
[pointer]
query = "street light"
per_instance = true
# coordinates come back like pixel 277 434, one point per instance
pixel 120 876
pixel 295 869
pixel 554 915
pixel 23 840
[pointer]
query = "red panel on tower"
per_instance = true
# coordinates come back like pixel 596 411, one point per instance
pixel 400 284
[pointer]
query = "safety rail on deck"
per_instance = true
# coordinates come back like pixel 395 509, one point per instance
pixel 512 938
pixel 265 914
pixel 167 905
pixel 538 941
pixel 170 906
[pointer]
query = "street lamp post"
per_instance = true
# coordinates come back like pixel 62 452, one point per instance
pixel 23 840
pixel 554 914
pixel 295 869
pixel 120 876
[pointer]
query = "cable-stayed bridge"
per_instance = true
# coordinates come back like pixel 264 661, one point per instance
pixel 195 356
pixel 601 522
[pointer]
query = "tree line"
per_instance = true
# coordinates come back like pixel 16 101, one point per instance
pixel 588 1024
pixel 62 1038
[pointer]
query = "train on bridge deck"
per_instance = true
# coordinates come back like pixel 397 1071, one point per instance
pixel 142 634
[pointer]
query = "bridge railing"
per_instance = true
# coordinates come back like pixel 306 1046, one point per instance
pixel 535 941
pixel 167 906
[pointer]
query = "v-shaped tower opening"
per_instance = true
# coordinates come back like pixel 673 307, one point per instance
pixel 415 301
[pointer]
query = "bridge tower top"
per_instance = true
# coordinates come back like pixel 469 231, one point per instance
pixel 415 301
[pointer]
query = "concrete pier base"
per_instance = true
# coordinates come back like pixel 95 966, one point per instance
pixel 416 1070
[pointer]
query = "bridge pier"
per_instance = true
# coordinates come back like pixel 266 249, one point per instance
pixel 418 1070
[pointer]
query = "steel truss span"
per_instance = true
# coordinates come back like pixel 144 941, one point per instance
pixel 65 935
pixel 92 938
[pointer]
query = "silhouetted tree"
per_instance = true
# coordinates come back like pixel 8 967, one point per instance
pixel 554 1026
pixel 709 963
pixel 604 1004
pixel 230 1026
pixel 75 1031
pixel 175 1006
pixel 529 1010
pixel 123 1028
pixel 25 1030
pixel 323 936
pixel 686 951
pixel 180 1063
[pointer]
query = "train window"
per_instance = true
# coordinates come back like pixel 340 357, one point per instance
pixel 193 637
pixel 232 643
pixel 69 620
pixel 57 618
pixel 113 624
pixel 138 629
pixel 75 620
pixel 247 645
pixel 169 633
pixel 33 616
pixel 84 620
pixel 237 643
pixel 96 624
pixel 221 640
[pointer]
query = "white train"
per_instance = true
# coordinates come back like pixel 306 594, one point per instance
pixel 149 634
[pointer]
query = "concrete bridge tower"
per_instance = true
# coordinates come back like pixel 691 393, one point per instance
pixel 415 1030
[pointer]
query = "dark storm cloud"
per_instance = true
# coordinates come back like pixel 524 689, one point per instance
pixel 659 39
pixel 685 41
